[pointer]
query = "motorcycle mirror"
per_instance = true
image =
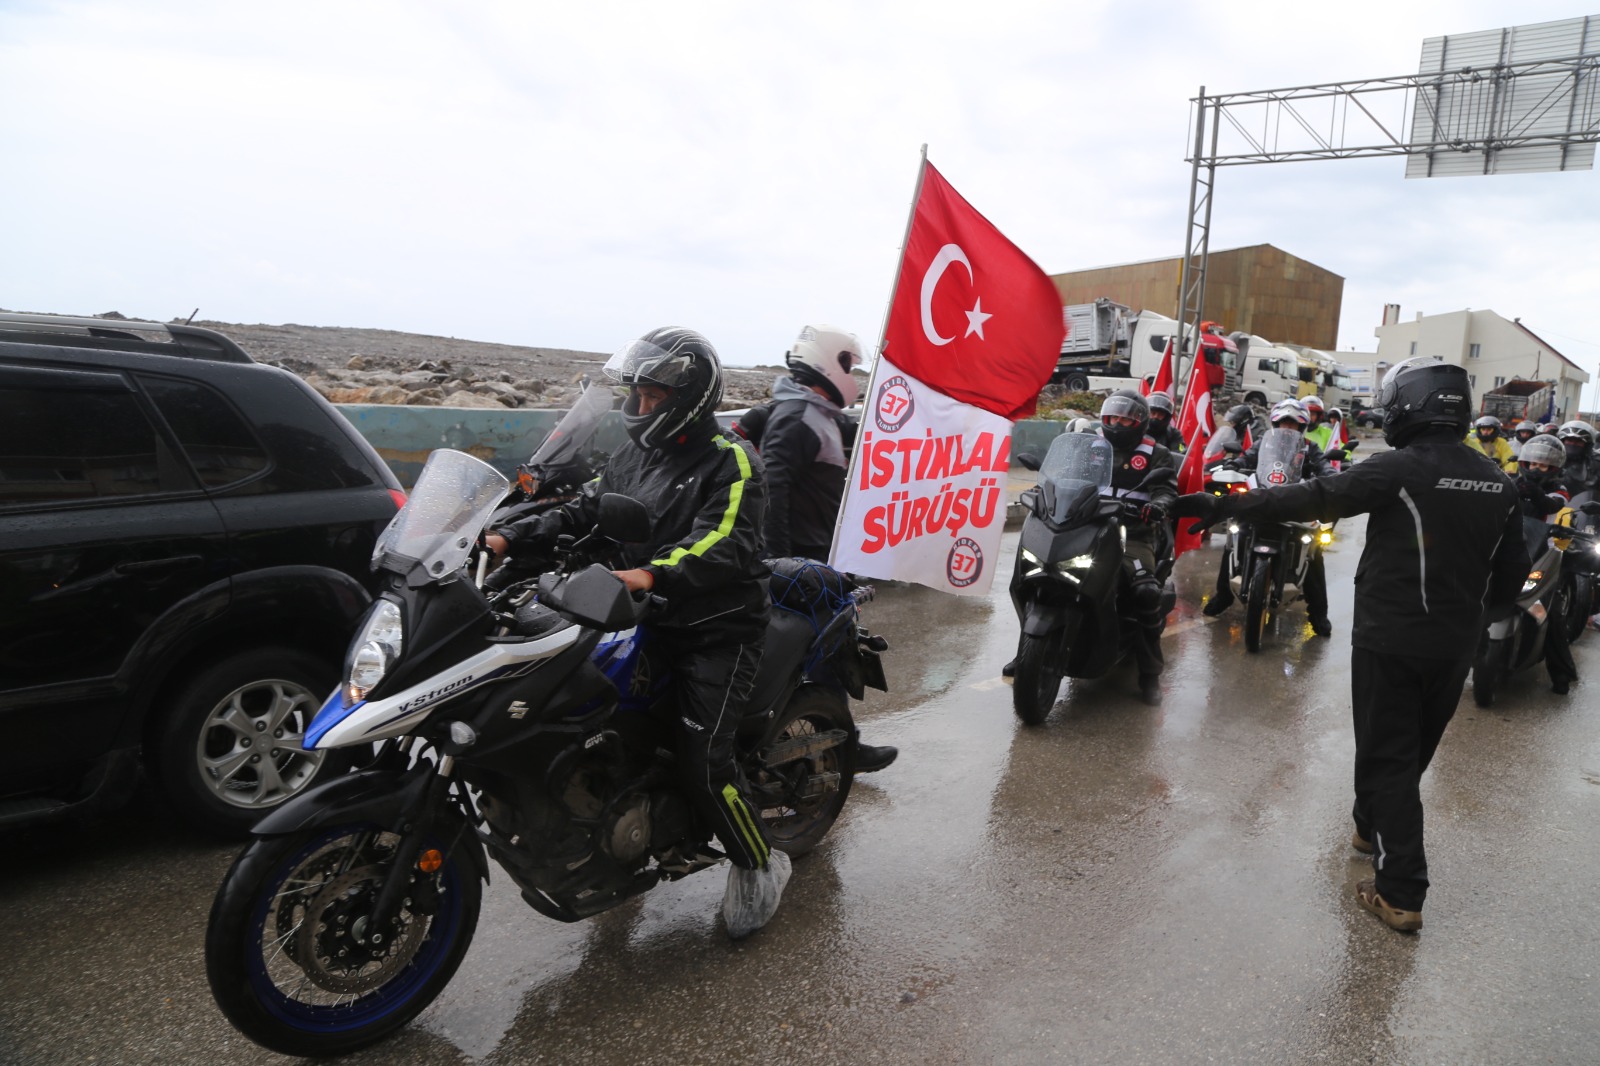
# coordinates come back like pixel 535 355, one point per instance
pixel 1232 448
pixel 1029 460
pixel 1350 446
pixel 623 518
pixel 1591 507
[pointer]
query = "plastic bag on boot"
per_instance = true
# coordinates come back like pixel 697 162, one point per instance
pixel 752 895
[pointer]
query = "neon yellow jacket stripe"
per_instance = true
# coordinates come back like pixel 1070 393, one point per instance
pixel 735 494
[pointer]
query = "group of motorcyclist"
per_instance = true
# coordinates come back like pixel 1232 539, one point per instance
pixel 718 510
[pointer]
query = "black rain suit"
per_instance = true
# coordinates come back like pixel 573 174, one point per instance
pixel 1444 542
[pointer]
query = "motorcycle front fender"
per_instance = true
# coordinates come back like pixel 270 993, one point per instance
pixel 375 796
pixel 1042 619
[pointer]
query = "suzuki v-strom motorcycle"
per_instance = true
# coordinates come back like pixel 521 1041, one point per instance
pixel 1067 574
pixel 1269 560
pixel 525 727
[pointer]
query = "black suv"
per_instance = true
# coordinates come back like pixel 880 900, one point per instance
pixel 185 541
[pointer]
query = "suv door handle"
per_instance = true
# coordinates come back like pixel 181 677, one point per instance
pixel 157 566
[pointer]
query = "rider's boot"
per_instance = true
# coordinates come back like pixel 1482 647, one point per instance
pixel 870 758
pixel 752 896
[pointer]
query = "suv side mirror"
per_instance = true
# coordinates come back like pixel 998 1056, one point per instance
pixel 623 518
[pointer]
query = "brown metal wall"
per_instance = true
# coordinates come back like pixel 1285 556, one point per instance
pixel 1260 289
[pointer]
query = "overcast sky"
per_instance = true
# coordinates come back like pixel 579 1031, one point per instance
pixel 571 175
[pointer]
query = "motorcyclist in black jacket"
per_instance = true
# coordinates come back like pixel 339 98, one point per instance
pixel 705 495
pixel 1443 544
pixel 1539 488
pixel 1582 470
pixel 1288 414
pixel 1162 430
pixel 1146 475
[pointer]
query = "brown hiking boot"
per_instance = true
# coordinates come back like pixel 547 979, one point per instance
pixel 1360 843
pixel 1393 917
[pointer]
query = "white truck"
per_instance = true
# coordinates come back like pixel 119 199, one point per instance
pixel 1322 376
pixel 1109 346
pixel 1267 373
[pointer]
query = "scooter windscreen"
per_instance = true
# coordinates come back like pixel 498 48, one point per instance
pixel 1280 458
pixel 434 532
pixel 1075 469
pixel 574 430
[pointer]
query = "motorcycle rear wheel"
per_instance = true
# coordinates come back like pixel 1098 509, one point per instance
pixel 287 955
pixel 1257 613
pixel 799 823
pixel 1037 681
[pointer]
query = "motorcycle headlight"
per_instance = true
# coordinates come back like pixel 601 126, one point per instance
pixel 1078 562
pixel 1325 537
pixel 1533 581
pixel 1233 527
pixel 377 647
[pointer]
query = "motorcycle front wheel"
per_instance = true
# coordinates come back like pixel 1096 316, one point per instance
pixel 1257 613
pixel 291 961
pixel 1037 681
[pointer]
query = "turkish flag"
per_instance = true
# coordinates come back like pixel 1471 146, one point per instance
pixel 972 316
pixel 1196 423
pixel 1163 382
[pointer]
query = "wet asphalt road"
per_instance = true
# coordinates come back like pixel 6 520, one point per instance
pixel 1124 884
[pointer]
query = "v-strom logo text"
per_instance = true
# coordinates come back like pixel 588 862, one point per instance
pixel 418 702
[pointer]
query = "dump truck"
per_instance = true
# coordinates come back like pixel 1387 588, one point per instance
pixel 1110 346
pixel 1520 399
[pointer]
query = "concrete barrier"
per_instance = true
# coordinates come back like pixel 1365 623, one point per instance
pixel 503 437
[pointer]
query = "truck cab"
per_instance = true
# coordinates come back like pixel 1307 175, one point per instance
pixel 1268 374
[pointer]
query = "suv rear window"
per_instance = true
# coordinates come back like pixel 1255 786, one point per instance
pixel 75 445
pixel 219 444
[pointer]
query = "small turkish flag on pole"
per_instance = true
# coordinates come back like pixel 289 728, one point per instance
pixel 1163 382
pixel 1196 424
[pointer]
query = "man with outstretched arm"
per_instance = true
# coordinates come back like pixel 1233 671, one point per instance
pixel 1444 543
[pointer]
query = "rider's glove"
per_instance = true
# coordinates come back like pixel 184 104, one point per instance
pixel 1153 514
pixel 1201 505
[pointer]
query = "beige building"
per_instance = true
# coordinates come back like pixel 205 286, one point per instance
pixel 1493 349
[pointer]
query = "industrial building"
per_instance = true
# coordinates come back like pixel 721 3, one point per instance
pixel 1493 349
pixel 1260 290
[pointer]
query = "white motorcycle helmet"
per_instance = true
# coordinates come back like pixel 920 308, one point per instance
pixel 824 355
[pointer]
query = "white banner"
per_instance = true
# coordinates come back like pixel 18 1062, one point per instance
pixel 927 495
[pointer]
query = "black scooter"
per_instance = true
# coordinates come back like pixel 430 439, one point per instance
pixel 1068 572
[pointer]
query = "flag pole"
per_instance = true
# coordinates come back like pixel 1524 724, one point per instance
pixel 883 332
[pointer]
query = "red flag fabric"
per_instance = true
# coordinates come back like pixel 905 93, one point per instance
pixel 1163 382
pixel 972 316
pixel 1196 424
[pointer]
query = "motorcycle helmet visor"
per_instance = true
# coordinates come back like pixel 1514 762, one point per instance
pixel 1116 406
pixel 642 362
pixel 1543 450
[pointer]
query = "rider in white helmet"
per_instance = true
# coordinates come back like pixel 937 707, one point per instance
pixel 804 449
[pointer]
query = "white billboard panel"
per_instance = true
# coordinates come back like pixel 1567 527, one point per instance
pixel 1540 113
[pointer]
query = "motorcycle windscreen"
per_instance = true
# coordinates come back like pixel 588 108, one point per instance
pixel 1280 458
pixel 574 430
pixel 1078 466
pixel 437 528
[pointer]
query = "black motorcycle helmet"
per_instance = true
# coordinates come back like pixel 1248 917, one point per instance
pixel 1424 392
pixel 1488 423
pixel 1124 403
pixel 1239 415
pixel 673 358
pixel 1160 408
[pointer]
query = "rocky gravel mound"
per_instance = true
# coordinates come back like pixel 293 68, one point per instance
pixel 381 366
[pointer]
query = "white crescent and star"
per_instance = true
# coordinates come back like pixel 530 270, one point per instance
pixel 950 253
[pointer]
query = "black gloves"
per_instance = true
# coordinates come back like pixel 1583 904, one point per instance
pixel 1201 505
pixel 1153 514
pixel 1338 455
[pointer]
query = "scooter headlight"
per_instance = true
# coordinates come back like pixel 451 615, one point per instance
pixel 1533 581
pixel 377 647
pixel 1325 538
pixel 1078 562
